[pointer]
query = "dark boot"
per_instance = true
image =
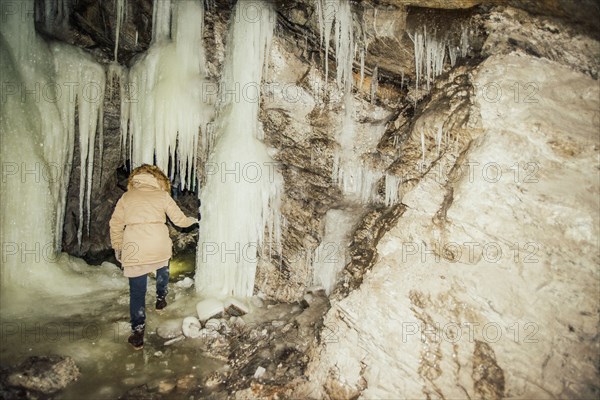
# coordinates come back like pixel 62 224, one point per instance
pixel 161 303
pixel 136 339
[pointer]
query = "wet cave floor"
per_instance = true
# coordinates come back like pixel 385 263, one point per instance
pixel 268 345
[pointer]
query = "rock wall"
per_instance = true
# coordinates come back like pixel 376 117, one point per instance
pixel 486 287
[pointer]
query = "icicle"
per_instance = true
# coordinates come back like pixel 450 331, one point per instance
pixel 419 47
pixel 117 74
pixel 363 52
pixel 327 34
pixel 464 41
pixel 423 148
pixel 440 134
pixel 362 67
pixel 452 52
pixel 120 6
pixel 100 147
pixel 374 84
pixel 344 45
pixel 430 53
pixel 391 189
pixel 161 20
pixel 320 19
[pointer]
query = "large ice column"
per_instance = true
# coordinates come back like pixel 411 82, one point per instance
pixel 27 199
pixel 43 86
pixel 240 200
pixel 168 104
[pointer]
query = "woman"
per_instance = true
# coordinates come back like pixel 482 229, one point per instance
pixel 141 241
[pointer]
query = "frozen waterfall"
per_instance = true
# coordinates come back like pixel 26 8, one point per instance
pixel 240 199
pixel 44 86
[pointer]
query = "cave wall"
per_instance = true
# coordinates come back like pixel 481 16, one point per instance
pixel 486 286
pixel 524 101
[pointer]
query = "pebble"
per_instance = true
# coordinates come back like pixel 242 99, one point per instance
pixel 208 308
pixel 169 329
pixel 260 371
pixel 257 301
pixel 174 340
pixel 185 283
pixel 191 327
pixel 213 324
pixel 166 386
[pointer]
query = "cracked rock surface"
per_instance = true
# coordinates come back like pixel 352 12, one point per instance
pixel 485 286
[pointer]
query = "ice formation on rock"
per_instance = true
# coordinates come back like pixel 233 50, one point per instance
pixel 240 199
pixel 120 8
pixel 166 105
pixel 430 52
pixel 46 86
pixel 331 255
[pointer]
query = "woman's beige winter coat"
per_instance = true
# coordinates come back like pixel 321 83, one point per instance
pixel 137 226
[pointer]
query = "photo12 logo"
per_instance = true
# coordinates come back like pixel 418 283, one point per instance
pixel 470 252
pixel 29 252
pixel 519 92
pixel 453 332
pixel 52 92
pixel 520 172
pixel 20 10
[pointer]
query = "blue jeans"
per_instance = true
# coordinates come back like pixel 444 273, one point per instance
pixel 137 295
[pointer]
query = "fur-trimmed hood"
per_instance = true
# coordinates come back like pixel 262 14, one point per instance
pixel 144 174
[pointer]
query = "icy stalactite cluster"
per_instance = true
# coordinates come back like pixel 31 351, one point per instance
pixel 166 106
pixel 167 114
pixel 337 15
pixel 356 179
pixel 87 99
pixel 47 85
pixel 430 52
pixel 241 196
pixel 167 103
